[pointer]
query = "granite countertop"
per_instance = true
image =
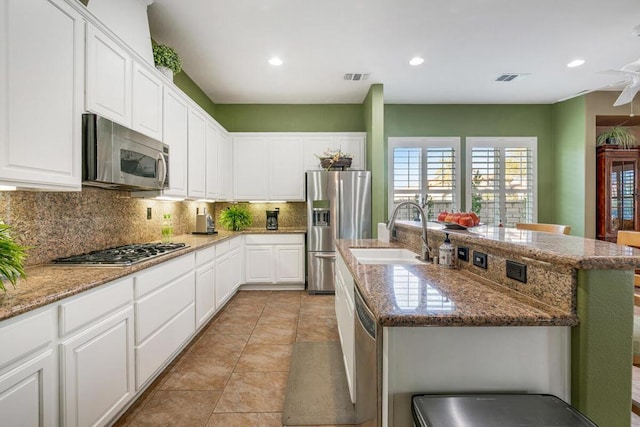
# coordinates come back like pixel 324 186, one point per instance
pixel 48 283
pixel 430 295
pixel 559 249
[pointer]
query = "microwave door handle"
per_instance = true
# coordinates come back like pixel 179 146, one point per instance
pixel 162 160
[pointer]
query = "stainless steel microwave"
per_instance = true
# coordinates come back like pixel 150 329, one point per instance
pixel 119 158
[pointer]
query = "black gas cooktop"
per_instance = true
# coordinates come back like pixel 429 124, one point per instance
pixel 120 256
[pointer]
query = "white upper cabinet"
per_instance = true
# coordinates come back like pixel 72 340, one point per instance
pixel 286 170
pixel 353 143
pixel 147 102
pixel 41 92
pixel 250 167
pixel 109 72
pixel 268 167
pixel 197 159
pixel 225 176
pixel 211 164
pixel 175 132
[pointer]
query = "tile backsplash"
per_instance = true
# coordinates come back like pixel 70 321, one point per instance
pixel 57 224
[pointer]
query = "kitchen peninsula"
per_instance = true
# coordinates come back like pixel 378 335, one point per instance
pixel 566 331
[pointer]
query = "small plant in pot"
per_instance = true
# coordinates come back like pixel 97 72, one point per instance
pixel 167 60
pixel 236 217
pixel 12 257
pixel 618 135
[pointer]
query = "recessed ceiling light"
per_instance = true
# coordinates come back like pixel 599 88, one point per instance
pixel 575 63
pixel 416 60
pixel 275 61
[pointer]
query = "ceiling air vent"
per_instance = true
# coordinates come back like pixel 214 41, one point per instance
pixel 509 77
pixel 356 77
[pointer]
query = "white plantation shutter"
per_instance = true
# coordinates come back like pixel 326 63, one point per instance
pixel 501 179
pixel 424 166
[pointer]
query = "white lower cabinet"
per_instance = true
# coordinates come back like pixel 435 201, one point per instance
pixel 274 258
pixel 28 394
pixel 205 285
pixel 228 269
pixel 344 304
pixel 165 314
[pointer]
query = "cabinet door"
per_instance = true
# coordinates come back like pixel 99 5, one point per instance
pixel 108 78
pixel 223 280
pixel 176 113
pixel 27 395
pixel 355 146
pixel 97 378
pixel 250 168
pixel 259 264
pixel 286 169
pixel 41 94
pixel 205 293
pixel 196 170
pixel 316 145
pixel 225 176
pixel 211 172
pixel 237 269
pixel 147 102
pixel 289 260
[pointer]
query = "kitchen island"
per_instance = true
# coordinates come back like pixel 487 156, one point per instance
pixel 567 331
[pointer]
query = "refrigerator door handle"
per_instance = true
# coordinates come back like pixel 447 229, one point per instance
pixel 330 257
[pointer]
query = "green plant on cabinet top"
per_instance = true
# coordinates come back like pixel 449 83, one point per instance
pixel 165 56
pixel 618 135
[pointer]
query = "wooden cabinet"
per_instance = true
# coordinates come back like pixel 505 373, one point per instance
pixel 196 150
pixel 109 77
pixel 274 259
pixel 225 162
pixel 344 306
pixel 96 354
pixel 147 102
pixel 205 285
pixel 175 132
pixel 250 168
pixel 28 393
pixel 286 169
pixel 211 163
pixel 41 93
pixel 618 191
pixel 228 270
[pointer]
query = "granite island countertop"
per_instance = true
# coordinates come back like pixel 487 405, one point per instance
pixel 48 283
pixel 430 295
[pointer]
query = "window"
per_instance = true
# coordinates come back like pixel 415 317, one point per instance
pixel 424 167
pixel 500 179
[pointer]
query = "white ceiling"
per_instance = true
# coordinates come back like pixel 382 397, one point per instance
pixel 226 44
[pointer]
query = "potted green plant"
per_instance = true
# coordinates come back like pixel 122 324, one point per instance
pixel 167 60
pixel 334 159
pixel 12 257
pixel 236 217
pixel 618 135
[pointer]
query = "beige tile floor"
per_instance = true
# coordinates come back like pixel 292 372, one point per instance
pixel 235 372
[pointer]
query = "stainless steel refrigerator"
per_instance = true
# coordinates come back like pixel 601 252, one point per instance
pixel 338 207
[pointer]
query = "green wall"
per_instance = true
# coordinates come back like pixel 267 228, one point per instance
pixel 569 191
pixel 482 120
pixel 291 117
pixel 376 154
pixel 189 87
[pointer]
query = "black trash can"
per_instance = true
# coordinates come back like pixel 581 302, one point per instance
pixel 494 410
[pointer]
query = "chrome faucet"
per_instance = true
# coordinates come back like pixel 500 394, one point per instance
pixel 426 251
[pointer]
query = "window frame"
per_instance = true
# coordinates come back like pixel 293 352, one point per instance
pixel 502 143
pixel 424 142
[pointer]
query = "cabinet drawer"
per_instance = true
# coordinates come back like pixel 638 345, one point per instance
pixel 222 248
pixel 25 335
pixel 98 303
pixel 153 354
pixel 205 255
pixel 274 239
pixel 235 243
pixel 156 309
pixel 156 277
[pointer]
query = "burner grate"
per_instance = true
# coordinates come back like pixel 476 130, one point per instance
pixel 121 255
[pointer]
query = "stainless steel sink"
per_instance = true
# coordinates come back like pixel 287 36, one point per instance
pixel 385 256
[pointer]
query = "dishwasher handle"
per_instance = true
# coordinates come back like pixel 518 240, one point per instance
pixel 365 317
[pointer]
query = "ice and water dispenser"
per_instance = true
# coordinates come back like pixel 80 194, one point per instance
pixel 321 214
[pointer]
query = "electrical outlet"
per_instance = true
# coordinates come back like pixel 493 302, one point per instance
pixel 463 253
pixel 480 259
pixel 148 213
pixel 517 271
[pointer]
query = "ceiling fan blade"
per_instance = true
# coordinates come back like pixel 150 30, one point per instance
pixel 628 74
pixel 634 66
pixel 628 94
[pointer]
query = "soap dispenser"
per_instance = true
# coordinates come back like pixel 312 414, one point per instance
pixel 446 253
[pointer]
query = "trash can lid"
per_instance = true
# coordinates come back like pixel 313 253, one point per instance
pixel 475 410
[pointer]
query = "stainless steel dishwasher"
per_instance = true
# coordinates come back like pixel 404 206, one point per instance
pixel 367 365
